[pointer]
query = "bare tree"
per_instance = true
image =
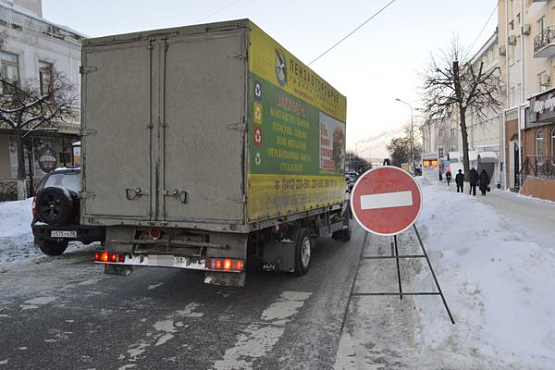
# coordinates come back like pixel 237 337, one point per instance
pixel 26 107
pixel 400 148
pixel 455 85
pixel 356 163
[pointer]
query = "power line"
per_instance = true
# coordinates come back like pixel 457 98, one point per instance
pixel 356 29
pixel 485 25
pixel 218 11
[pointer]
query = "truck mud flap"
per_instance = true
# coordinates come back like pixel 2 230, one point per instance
pixel 118 270
pixel 225 278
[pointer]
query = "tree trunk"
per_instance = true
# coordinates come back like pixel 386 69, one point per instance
pixel 462 116
pixel 464 133
pixel 21 185
pixel 30 160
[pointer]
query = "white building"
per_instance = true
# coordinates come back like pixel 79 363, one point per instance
pixel 31 48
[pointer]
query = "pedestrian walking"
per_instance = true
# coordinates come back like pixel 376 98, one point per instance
pixel 459 180
pixel 448 177
pixel 484 182
pixel 473 178
pixel 440 176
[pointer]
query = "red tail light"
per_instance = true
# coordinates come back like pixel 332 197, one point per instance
pixel 224 264
pixel 35 211
pixel 155 233
pixel 109 257
pixel 105 257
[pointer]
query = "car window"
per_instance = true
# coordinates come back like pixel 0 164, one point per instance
pixel 68 180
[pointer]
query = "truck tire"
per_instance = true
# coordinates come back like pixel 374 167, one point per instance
pixel 303 252
pixel 54 206
pixel 53 248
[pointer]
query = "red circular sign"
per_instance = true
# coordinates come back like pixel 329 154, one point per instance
pixel 386 200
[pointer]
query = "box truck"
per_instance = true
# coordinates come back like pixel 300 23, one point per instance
pixel 206 146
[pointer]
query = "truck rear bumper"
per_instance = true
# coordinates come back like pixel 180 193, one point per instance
pixel 219 271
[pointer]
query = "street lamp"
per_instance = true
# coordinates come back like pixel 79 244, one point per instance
pixel 411 134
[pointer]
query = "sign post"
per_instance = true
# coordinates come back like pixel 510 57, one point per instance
pixel 386 201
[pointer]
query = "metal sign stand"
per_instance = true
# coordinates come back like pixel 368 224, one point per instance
pixel 397 257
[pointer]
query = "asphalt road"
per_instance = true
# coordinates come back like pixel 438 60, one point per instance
pixel 64 313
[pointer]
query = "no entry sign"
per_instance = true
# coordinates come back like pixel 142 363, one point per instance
pixel 386 200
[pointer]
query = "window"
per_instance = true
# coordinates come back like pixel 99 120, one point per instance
pixel 45 77
pixel 539 144
pixel 9 66
pixel 553 142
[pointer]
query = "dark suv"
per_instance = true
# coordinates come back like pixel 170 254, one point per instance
pixel 56 210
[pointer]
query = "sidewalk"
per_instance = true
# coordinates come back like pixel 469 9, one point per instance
pixel 495 261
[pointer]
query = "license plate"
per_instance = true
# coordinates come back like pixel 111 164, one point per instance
pixel 180 261
pixel 63 233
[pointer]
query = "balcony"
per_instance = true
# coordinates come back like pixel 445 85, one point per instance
pixel 544 44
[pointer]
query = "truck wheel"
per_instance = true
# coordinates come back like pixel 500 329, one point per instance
pixel 54 206
pixel 303 249
pixel 52 248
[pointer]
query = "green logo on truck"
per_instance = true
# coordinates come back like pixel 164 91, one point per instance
pixel 281 68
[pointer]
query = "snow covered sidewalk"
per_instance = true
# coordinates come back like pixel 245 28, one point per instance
pixel 498 283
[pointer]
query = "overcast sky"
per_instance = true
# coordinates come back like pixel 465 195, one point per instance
pixel 377 64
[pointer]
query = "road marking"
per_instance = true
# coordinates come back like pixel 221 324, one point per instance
pixel 257 340
pixel 386 200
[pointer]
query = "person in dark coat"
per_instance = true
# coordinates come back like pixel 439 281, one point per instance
pixel 473 178
pixel 484 182
pixel 459 180
pixel 448 177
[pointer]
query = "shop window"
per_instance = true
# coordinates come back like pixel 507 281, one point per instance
pixel 539 145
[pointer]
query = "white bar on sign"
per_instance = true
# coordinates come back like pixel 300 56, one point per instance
pixel 386 200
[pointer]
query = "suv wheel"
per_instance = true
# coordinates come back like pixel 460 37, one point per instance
pixel 54 205
pixel 53 248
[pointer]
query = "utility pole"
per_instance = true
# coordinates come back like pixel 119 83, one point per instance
pixel 411 134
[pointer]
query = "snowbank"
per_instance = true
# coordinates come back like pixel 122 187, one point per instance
pixel 16 238
pixel 498 284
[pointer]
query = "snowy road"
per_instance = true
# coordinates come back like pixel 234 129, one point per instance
pixel 64 313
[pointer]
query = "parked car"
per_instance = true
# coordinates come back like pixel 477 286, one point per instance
pixel 350 181
pixel 56 209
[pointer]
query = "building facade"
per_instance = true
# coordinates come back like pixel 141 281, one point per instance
pixel 31 49
pixel 527 35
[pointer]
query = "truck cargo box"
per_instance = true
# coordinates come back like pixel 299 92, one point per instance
pixel 214 127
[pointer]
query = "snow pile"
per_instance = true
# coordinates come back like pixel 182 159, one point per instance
pixel 16 237
pixel 499 286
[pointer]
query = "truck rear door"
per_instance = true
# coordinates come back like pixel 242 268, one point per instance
pixel 115 146
pixel 164 124
pixel 203 135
